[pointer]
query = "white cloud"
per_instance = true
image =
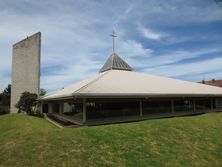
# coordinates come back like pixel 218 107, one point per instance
pixel 178 12
pixel 172 57
pixel 71 73
pixel 132 48
pixel 150 34
pixel 189 69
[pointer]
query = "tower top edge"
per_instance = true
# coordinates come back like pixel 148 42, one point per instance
pixel 38 35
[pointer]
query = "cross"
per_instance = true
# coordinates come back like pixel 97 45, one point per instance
pixel 114 36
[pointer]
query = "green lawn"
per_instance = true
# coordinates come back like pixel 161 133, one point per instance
pixel 182 141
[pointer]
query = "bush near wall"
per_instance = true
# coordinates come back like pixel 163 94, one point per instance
pixel 4 110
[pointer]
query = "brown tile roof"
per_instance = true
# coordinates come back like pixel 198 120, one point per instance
pixel 213 82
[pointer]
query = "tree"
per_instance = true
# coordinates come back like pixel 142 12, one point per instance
pixel 0 98
pixel 6 95
pixel 42 92
pixel 7 90
pixel 27 102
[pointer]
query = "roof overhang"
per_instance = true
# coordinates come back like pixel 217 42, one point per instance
pixel 127 96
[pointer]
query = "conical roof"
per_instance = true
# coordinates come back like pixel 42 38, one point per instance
pixel 114 62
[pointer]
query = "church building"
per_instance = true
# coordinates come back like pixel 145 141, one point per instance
pixel 116 94
pixel 120 94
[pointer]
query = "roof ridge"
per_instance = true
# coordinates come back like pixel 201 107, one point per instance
pixel 113 54
pixel 87 85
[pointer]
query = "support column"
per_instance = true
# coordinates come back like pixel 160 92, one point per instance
pixel 172 105
pixel 211 104
pixel 84 110
pixel 190 105
pixel 216 103
pixel 194 105
pixel 61 107
pixel 141 108
pixel 50 109
pixel 40 108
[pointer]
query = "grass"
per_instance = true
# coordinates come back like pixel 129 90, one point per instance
pixel 182 141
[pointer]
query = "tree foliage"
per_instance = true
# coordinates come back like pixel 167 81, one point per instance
pixel 27 102
pixel 42 92
pixel 6 95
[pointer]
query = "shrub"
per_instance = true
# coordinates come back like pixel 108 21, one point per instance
pixel 27 103
pixel 4 110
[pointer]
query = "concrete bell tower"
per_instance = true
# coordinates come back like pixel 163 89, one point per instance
pixel 25 68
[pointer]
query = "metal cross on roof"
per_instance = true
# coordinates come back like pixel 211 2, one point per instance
pixel 113 36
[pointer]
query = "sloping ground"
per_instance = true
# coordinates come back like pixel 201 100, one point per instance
pixel 183 141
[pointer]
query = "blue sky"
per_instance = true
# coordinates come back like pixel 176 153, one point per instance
pixel 174 38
